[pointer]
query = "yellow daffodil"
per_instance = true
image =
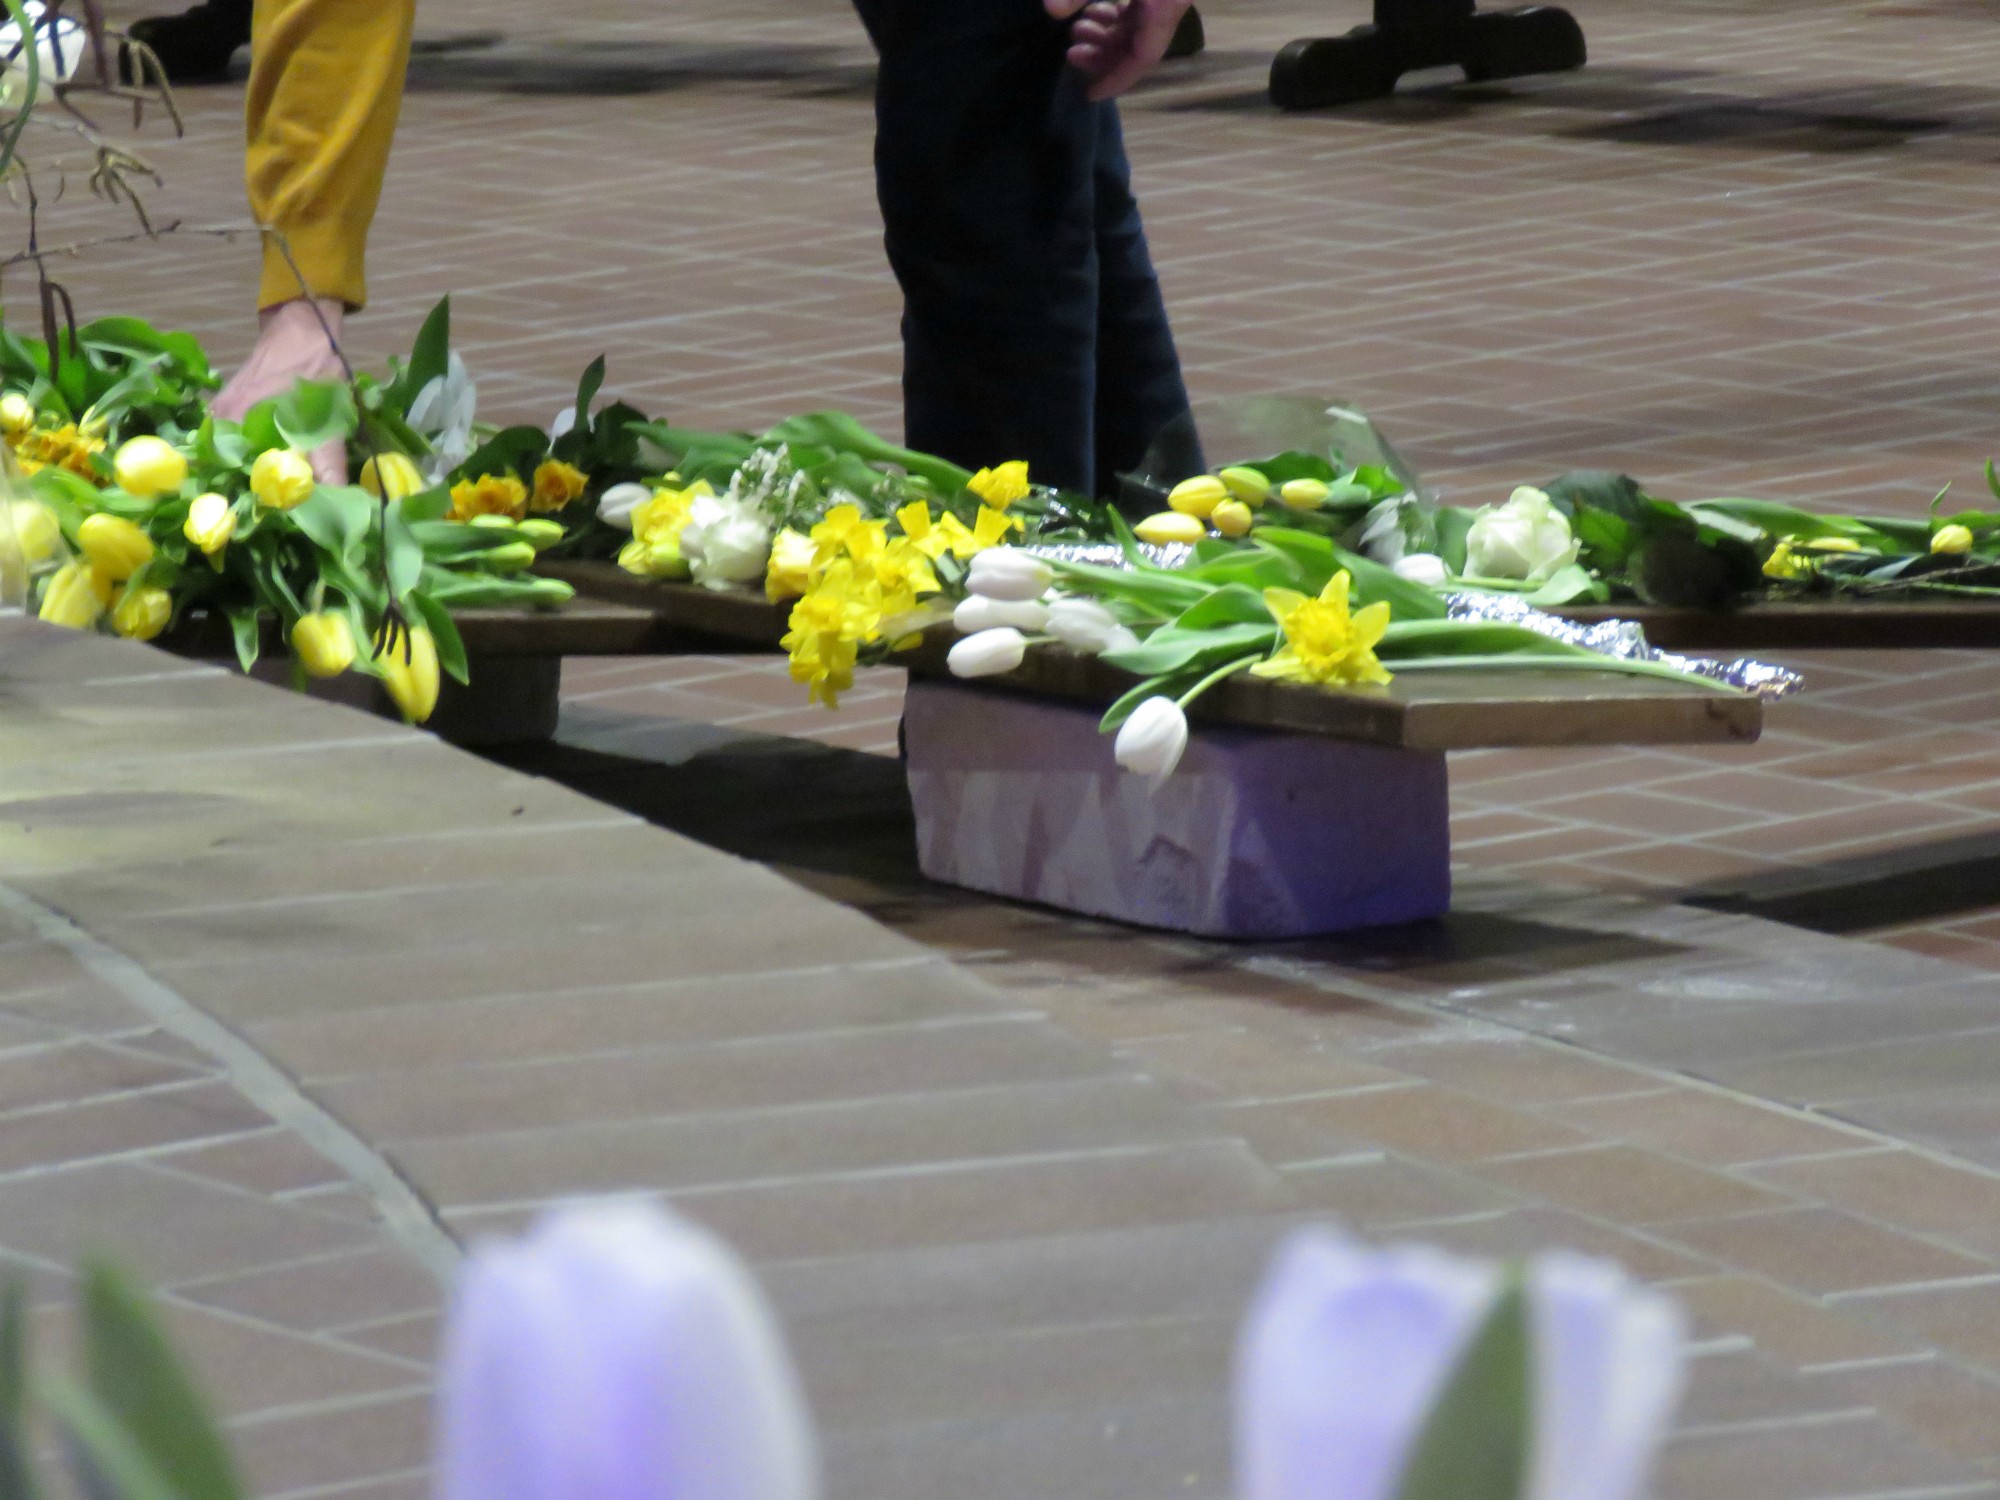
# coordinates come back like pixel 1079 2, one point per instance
pixel 990 528
pixel 1323 642
pixel 489 495
pixel 556 484
pixel 901 573
pixel 75 596
pixel 17 415
pixel 828 625
pixel 1001 487
pixel 1790 559
pixel 211 522
pixel 928 536
pixel 281 478
pixel 324 643
pixel 658 558
pixel 407 660
pixel 148 467
pixel 665 516
pixel 845 529
pixel 142 612
pixel 794 566
pixel 391 476
pixel 67 447
pixel 114 546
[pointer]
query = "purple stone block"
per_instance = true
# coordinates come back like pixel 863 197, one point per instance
pixel 1256 835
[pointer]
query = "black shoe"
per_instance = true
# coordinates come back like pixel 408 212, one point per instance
pixel 196 45
pixel 1188 36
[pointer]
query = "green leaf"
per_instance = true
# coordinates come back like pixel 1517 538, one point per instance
pixel 1475 1442
pixel 313 412
pixel 1232 604
pixel 450 648
pixel 16 1474
pixel 1293 464
pixel 1168 650
pixel 403 555
pixel 489 591
pixel 337 519
pixel 260 429
pixel 840 432
pixel 433 504
pixel 144 1385
pixel 1566 586
pixel 430 355
pixel 587 389
pixel 245 624
pixel 511 450
pixel 109 1463
pixel 1160 593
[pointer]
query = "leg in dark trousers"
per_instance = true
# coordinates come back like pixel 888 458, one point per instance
pixel 1033 325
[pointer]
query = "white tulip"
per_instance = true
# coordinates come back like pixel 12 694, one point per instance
pixel 988 653
pixel 1088 628
pixel 1526 539
pixel 976 612
pixel 1347 1348
pixel 1426 568
pixel 1151 742
pixel 1008 573
pixel 735 549
pixel 615 505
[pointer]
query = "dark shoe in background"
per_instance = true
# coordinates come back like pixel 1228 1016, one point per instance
pixel 196 45
pixel 1189 37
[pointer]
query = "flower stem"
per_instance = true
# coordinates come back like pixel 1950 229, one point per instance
pixel 1216 676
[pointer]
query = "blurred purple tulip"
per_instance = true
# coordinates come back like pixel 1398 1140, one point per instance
pixel 617 1353
pixel 1346 1349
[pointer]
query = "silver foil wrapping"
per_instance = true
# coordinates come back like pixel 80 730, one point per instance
pixel 1623 639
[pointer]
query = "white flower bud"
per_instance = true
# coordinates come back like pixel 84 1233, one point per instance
pixel 976 612
pixel 1150 743
pixel 615 505
pixel 988 653
pixel 1526 539
pixel 1008 573
pixel 1088 628
pixel 1426 568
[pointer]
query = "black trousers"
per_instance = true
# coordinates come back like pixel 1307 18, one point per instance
pixel 1033 325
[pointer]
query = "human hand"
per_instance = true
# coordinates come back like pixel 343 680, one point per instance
pixel 1116 42
pixel 291 345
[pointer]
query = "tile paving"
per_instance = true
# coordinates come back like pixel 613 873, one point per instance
pixel 1008 1175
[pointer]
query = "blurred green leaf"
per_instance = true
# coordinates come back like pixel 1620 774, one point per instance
pixel 245 625
pixel 1475 1442
pixel 450 648
pixel 142 1383
pixel 313 412
pixel 16 1474
pixel 108 1461
pixel 1172 650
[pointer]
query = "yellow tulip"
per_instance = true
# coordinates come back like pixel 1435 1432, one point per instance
pixel 1198 496
pixel 116 548
pixel 391 476
pixel 1170 526
pixel 1953 538
pixel 540 531
pixel 660 558
pixel 17 414
pixel 211 522
pixel 149 467
pixel 324 643
pixel 1248 485
pixel 36 533
pixel 508 559
pixel 142 612
pixel 408 662
pixel 75 596
pixel 1232 518
pixel 281 478
pixel 1303 494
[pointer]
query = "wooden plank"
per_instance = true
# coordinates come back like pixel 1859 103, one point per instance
pixel 1420 710
pixel 1821 626
pixel 743 616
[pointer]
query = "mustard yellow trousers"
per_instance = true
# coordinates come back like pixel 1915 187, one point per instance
pixel 326 85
